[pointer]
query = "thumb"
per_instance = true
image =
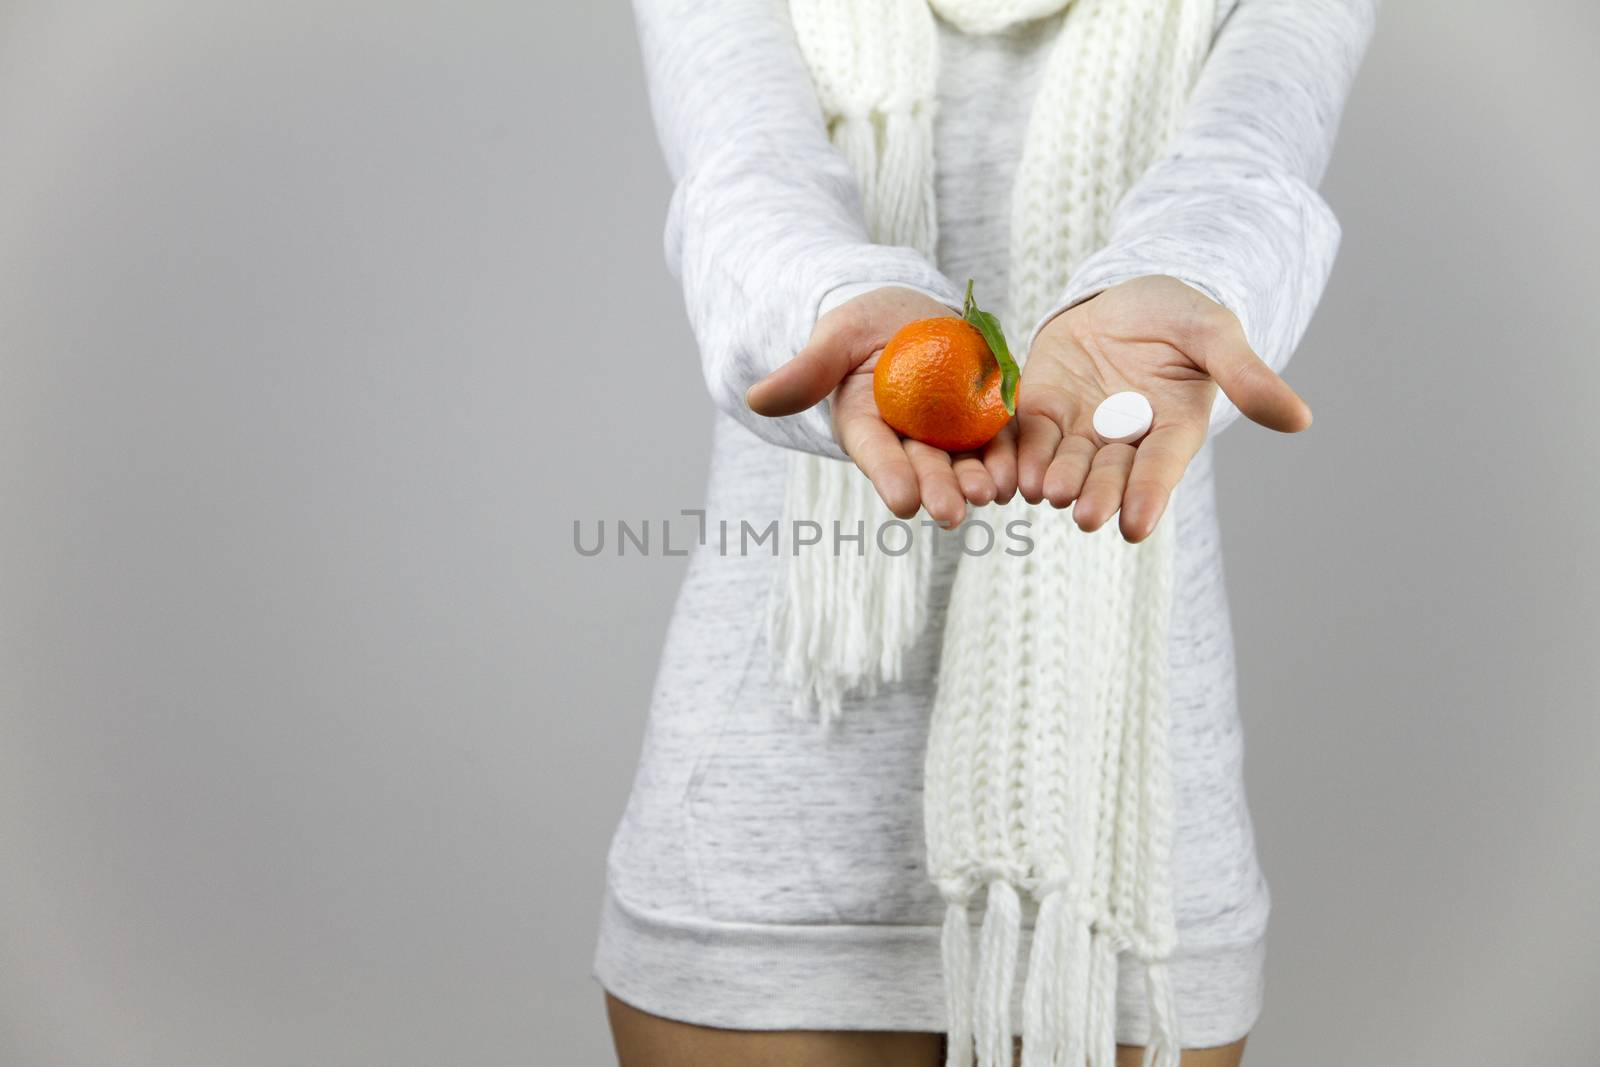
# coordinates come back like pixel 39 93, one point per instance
pixel 1255 388
pixel 813 373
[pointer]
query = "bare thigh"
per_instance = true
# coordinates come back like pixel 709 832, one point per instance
pixel 1133 1055
pixel 1223 1056
pixel 646 1040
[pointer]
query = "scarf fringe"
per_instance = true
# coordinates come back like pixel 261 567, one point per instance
pixel 1069 996
pixel 1101 1025
pixel 955 945
pixel 1055 994
pixel 997 971
pixel 843 622
pixel 1163 1049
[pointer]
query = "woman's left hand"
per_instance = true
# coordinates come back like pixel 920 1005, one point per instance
pixel 1156 336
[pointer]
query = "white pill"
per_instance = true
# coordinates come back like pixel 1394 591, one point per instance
pixel 1123 418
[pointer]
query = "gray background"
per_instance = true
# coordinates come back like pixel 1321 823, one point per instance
pixel 320 323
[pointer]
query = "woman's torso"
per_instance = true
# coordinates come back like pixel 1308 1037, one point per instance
pixel 742 813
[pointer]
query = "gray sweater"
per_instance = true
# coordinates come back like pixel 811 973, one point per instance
pixel 768 876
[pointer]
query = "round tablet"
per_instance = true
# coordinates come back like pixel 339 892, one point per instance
pixel 1123 418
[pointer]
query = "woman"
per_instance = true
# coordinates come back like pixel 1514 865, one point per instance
pixel 767 899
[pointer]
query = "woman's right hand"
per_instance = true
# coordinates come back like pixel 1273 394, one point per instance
pixel 838 360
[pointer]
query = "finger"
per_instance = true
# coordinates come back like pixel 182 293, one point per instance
pixel 1038 437
pixel 1000 457
pixel 876 449
pixel 977 484
pixel 1158 465
pixel 1064 480
pixel 833 352
pixel 1102 489
pixel 941 493
pixel 1255 388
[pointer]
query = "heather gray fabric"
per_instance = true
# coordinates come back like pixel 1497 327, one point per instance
pixel 765 875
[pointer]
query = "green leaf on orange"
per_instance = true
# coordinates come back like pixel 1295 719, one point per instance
pixel 989 326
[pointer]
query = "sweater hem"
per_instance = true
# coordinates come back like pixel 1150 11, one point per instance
pixel 831 976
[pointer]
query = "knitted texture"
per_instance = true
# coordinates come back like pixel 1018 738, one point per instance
pixel 1047 769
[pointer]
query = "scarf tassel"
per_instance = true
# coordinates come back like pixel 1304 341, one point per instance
pixel 1102 1022
pixel 1163 1049
pixel 956 948
pixel 1069 999
pixel 1070 989
pixel 978 997
pixel 998 942
pixel 843 623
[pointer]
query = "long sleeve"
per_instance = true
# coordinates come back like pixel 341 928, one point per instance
pixel 765 218
pixel 1231 208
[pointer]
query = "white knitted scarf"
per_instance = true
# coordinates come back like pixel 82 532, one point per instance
pixel 1047 769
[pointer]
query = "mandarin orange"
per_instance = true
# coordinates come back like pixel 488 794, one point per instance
pixel 947 382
